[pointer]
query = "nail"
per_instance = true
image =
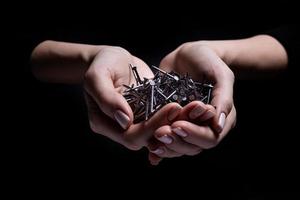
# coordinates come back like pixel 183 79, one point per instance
pixel 196 112
pixel 221 121
pixel 122 119
pixel 179 132
pixel 158 151
pixel 165 139
pixel 174 113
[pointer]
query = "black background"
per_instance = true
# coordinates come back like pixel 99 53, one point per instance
pixel 51 149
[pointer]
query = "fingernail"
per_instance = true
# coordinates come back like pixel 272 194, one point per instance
pixel 165 139
pixel 196 112
pixel 179 132
pixel 122 119
pixel 221 121
pixel 174 113
pixel 158 151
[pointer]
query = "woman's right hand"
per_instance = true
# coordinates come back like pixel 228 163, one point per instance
pixel 109 112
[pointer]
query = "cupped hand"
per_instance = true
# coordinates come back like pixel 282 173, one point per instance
pixel 199 126
pixel 109 113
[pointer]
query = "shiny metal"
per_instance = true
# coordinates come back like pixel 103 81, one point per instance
pixel 149 95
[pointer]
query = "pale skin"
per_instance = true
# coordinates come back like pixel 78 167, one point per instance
pixel 104 69
pixel 215 59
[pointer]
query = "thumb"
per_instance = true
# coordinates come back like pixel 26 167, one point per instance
pixel 222 100
pixel 111 102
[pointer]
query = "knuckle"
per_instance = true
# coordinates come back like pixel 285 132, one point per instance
pixel 186 45
pixel 164 61
pixel 184 48
pixel 230 74
pixel 119 50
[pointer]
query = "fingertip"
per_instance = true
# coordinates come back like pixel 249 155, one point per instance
pixel 180 123
pixel 123 105
pixel 154 163
pixel 122 119
pixel 158 151
pixel 154 159
pixel 174 111
pixel 193 110
pixel 163 130
pixel 207 115
pixel 197 111
pixel 219 122
pixel 180 132
pixel 164 116
pixel 211 108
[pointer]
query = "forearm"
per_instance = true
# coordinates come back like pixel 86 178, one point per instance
pixel 62 62
pixel 259 53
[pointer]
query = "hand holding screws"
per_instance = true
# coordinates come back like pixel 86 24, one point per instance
pixel 149 95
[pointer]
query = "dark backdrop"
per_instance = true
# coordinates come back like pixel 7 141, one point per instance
pixel 51 148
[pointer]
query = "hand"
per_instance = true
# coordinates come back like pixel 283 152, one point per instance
pixel 103 82
pixel 200 61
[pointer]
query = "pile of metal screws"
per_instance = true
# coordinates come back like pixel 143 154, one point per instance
pixel 149 95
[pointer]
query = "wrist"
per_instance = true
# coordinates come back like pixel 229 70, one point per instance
pixel 225 49
pixel 62 62
pixel 258 53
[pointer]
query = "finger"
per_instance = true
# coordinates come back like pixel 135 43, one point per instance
pixel 209 114
pixel 173 142
pixel 223 101
pixel 141 132
pixel 154 151
pixel 167 63
pixel 166 115
pixel 109 128
pixel 197 111
pixel 201 136
pixel 100 86
pixel 166 152
pixel 160 150
pixel 222 94
pixel 154 159
pixel 230 123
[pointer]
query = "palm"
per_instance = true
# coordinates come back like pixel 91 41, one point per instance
pixel 114 63
pixel 201 63
pixel 110 69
